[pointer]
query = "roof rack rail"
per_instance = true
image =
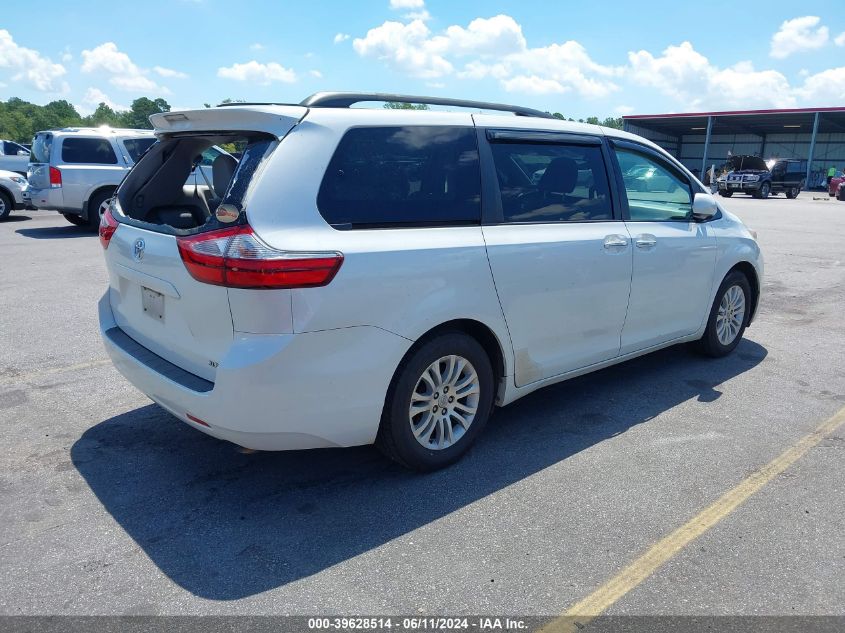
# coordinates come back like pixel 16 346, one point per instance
pixel 346 99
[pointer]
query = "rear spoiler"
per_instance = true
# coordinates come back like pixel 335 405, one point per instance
pixel 277 120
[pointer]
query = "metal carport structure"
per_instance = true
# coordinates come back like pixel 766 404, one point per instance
pixel 699 139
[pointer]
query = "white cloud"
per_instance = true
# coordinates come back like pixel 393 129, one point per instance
pixel 315 73
pixel 407 4
pixel 257 46
pixel 265 74
pixel 826 88
pixel 125 74
pixel 494 47
pixel 406 47
pixel 688 77
pixel 624 109
pixel 169 72
pixel 499 35
pixel 798 34
pixel 840 39
pixel 93 98
pixel 30 66
pixel 341 37
pixel 533 85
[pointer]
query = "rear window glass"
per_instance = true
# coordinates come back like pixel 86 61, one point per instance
pixel 552 183
pixel 135 147
pixel 41 146
pixel 403 175
pixel 96 151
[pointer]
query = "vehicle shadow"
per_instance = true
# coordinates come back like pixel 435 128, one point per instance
pixel 13 217
pixel 225 524
pixel 56 232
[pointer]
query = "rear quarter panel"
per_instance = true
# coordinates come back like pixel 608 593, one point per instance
pixel 406 281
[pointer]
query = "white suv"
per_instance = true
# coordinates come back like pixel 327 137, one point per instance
pixel 389 276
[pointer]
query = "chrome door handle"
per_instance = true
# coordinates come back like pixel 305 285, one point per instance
pixel 645 241
pixel 615 242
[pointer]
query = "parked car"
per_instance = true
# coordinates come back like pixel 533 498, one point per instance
pixel 13 157
pixel 76 170
pixel 751 175
pixel 347 282
pixel 12 186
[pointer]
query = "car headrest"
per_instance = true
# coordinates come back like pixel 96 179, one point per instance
pixel 222 170
pixel 560 176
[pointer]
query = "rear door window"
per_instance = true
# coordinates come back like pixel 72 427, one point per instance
pixel 411 175
pixel 542 182
pixel 89 151
pixel 136 147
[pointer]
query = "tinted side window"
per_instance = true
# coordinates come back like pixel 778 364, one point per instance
pixel 97 151
pixel 552 183
pixel 656 191
pixel 135 147
pixel 403 175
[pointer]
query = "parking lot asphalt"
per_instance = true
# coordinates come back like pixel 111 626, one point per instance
pixel 112 506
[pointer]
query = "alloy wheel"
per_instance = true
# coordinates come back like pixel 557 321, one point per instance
pixel 731 315
pixel 444 402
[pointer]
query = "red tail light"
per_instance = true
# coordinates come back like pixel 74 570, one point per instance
pixel 235 257
pixel 108 225
pixel 55 178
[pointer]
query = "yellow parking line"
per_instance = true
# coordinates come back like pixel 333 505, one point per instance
pixel 18 378
pixel 663 550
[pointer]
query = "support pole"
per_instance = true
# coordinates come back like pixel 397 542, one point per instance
pixel 812 150
pixel 706 146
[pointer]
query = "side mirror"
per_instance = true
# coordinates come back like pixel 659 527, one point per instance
pixel 23 152
pixel 704 206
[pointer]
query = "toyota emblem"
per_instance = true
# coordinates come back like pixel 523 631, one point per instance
pixel 138 249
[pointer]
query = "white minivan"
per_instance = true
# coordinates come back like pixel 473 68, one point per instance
pixel 389 276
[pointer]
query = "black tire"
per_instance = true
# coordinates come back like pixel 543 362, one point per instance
pixel 792 193
pixel 726 194
pixel 5 205
pixel 840 195
pixel 94 206
pixel 709 344
pixel 76 220
pixel 765 190
pixel 395 436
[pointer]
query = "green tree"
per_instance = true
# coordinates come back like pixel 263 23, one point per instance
pixel 396 105
pixel 614 122
pixel 139 113
pixel 103 115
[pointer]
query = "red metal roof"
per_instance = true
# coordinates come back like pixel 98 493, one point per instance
pixel 733 113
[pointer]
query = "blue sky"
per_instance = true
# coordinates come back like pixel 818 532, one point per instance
pixel 578 58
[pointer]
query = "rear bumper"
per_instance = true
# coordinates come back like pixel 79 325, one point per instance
pixel 48 199
pixel 273 392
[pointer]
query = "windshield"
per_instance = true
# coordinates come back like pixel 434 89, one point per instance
pixel 41 145
pixel 739 163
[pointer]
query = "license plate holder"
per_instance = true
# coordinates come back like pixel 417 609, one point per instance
pixel 153 303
